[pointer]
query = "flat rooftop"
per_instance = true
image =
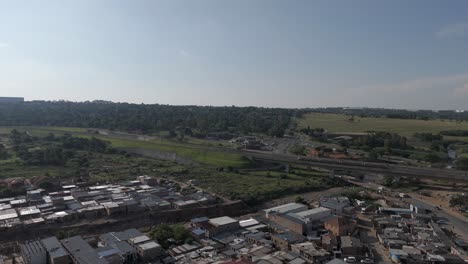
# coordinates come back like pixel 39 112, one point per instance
pixel 287 208
pixel 8 214
pixel 53 246
pixel 318 210
pixel 149 245
pixel 224 220
pixel 81 251
pixel 139 239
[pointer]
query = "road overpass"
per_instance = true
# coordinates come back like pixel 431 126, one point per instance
pixel 363 167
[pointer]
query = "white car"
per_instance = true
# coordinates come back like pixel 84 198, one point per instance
pixel 350 260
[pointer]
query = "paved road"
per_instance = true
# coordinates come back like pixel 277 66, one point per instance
pixel 460 225
pixel 368 235
pixel 362 166
pixel 349 165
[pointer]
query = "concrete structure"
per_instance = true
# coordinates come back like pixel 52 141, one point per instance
pixel 221 225
pixel 350 246
pixel 340 226
pixel 301 222
pixel 139 240
pixel 289 222
pixel 149 250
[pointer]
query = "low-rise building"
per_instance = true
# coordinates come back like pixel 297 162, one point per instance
pixel 284 240
pixel 289 222
pixel 310 252
pixel 350 246
pixel 138 240
pixel 221 225
pixel 286 208
pixel 81 252
pixel 56 254
pixel 185 204
pixel 338 205
pixel 149 250
pixel 33 252
pixel 340 226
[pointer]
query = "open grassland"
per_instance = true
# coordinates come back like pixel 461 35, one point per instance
pixel 200 155
pixel 260 186
pixel 195 151
pixel 338 123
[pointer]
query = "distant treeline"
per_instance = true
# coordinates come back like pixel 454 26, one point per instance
pixel 196 120
pixel 396 113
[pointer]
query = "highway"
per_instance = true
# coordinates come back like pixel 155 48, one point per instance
pixel 362 166
pixel 332 164
pixel 459 225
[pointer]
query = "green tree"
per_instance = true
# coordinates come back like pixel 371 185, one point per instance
pixel 162 233
pixel 3 152
pixel 180 233
pixel 299 199
pixel 432 157
pixel 462 163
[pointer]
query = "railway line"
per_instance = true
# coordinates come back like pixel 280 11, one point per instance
pixel 363 166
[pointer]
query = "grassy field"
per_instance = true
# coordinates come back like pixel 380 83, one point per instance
pixel 253 187
pixel 260 186
pixel 193 151
pixel 214 158
pixel 407 127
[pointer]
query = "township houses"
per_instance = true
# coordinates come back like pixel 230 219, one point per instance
pixel 74 203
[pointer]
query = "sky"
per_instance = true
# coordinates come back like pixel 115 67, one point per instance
pixel 272 53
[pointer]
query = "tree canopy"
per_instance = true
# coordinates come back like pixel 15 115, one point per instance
pixel 142 117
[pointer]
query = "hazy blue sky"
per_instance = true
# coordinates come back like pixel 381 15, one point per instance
pixel 394 53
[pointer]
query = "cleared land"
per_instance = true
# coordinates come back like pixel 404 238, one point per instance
pixel 338 123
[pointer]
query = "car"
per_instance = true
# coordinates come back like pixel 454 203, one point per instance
pixel 442 222
pixel 350 260
pixel 367 261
